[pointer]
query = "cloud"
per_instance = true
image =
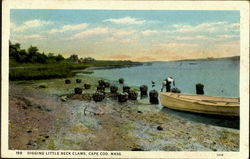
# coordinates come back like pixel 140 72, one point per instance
pixel 172 57
pixel 12 25
pixel 210 27
pixel 144 58
pixel 121 36
pixel 120 57
pixel 69 28
pixel 176 45
pixel 116 32
pixel 200 37
pixel 237 25
pixel 29 24
pixel 226 49
pixel 32 36
pixel 227 36
pixel 125 20
pixel 229 45
pixel 117 39
pixel 90 32
pixel 234 27
pixel 150 32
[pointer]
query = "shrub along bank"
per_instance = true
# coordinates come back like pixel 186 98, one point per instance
pixel 30 64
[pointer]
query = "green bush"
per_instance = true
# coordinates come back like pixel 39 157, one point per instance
pixel 39 73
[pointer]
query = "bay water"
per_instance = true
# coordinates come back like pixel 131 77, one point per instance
pixel 220 77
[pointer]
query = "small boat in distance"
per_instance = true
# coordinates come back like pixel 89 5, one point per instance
pixel 201 104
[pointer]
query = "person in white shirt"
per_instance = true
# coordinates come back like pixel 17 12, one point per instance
pixel 167 83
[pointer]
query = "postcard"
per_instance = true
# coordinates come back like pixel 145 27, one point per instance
pixel 125 79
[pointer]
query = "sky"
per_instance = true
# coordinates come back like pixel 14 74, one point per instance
pixel 137 35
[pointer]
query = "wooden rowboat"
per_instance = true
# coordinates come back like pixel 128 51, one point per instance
pixel 201 104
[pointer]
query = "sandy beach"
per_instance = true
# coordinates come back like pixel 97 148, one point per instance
pixel 40 120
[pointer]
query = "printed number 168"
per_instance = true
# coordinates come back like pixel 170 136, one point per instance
pixel 18 152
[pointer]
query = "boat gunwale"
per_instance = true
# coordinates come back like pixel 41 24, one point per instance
pixel 200 101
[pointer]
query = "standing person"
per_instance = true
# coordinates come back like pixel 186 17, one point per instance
pixel 167 82
pixel 163 84
pixel 168 85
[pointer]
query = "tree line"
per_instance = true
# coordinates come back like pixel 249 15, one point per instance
pixel 32 55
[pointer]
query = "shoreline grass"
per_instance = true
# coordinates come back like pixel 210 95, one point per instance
pixel 61 70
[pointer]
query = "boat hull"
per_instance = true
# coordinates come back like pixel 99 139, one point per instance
pixel 201 104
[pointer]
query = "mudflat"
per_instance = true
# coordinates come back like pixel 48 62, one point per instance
pixel 40 120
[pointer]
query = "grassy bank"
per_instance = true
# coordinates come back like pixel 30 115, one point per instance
pixel 58 70
pixel 31 64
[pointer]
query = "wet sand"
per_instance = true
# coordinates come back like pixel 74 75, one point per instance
pixel 40 120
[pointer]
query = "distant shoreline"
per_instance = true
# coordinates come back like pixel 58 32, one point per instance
pixel 110 67
pixel 201 59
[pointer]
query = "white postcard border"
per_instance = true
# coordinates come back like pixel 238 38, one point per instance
pixel 243 6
